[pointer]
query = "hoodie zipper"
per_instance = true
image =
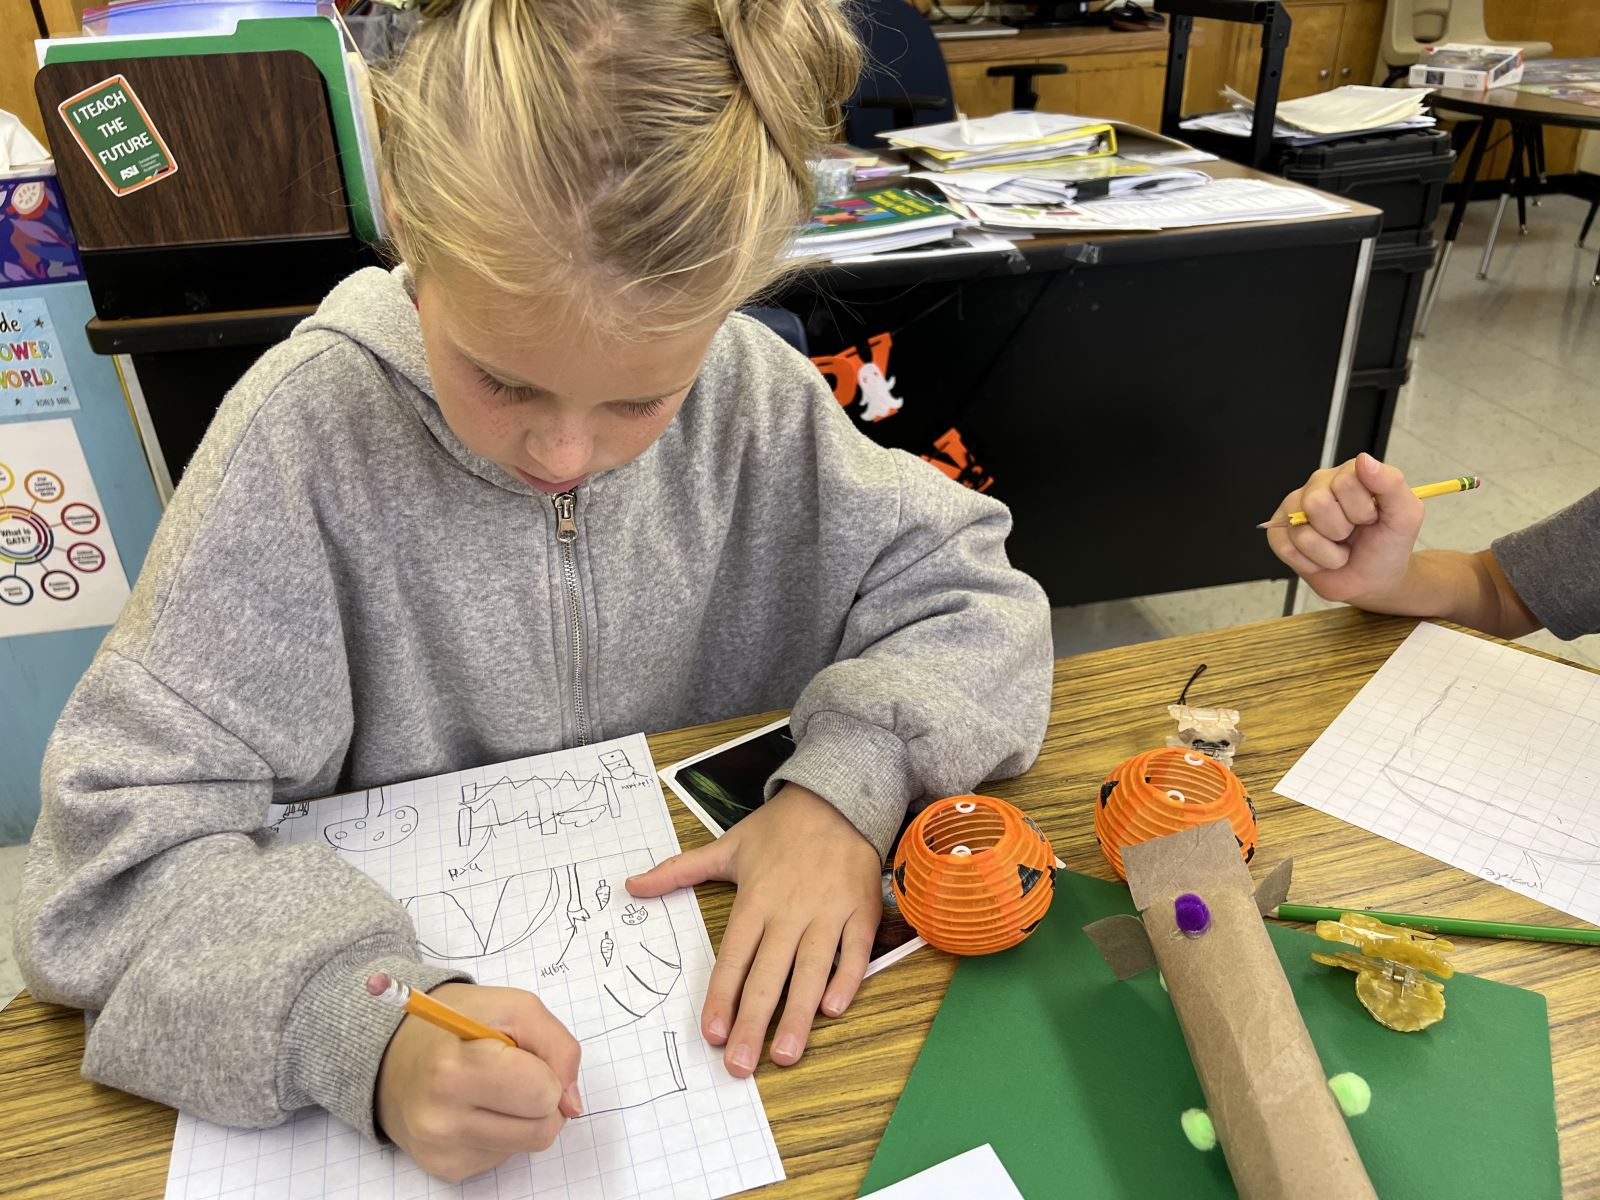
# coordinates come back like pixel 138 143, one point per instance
pixel 567 536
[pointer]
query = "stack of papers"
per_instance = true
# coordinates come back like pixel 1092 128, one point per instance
pixel 1346 111
pixel 960 242
pixel 1003 141
pixel 1032 158
pixel 1084 179
pixel 870 222
pixel 1219 202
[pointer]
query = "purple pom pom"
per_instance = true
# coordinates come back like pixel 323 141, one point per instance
pixel 1194 918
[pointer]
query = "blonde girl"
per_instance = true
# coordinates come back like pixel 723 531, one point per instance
pixel 539 485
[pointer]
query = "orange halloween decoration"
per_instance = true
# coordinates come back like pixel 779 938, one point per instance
pixel 1163 791
pixel 973 875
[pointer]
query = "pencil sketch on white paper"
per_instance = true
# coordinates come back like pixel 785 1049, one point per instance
pixel 517 873
pixel 1480 755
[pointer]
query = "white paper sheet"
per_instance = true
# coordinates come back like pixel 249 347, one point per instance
pixel 515 873
pixel 1479 755
pixel 59 567
pixel 977 1173
pixel 1220 202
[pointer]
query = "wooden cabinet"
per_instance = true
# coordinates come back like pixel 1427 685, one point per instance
pixel 1109 74
pixel 980 95
pixel 1331 43
pixel 1124 87
pixel 17 31
pixel 20 22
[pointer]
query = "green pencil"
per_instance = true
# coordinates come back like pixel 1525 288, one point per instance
pixel 1447 925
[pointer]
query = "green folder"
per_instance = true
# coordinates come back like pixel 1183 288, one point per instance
pixel 1078 1080
pixel 318 38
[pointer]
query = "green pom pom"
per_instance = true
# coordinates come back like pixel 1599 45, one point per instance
pixel 1198 1129
pixel 1352 1092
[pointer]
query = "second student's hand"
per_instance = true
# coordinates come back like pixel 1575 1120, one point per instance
pixel 460 1107
pixel 1361 525
pixel 809 887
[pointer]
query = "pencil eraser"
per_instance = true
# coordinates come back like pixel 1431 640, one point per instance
pixel 377 984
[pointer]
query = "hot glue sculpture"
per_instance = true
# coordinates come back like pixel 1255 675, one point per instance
pixel 1389 970
pixel 972 875
pixel 1268 1102
pixel 1163 791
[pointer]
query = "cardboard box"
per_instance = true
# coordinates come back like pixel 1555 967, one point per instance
pixel 1467 68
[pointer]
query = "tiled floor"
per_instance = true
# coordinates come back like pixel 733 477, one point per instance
pixel 1506 385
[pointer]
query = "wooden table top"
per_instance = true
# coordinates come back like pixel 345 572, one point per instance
pixel 63 1137
pixel 1512 104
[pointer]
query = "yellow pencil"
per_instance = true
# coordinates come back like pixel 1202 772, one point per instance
pixel 419 1004
pixel 1426 491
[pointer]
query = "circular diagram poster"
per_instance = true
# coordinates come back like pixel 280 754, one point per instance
pixel 58 565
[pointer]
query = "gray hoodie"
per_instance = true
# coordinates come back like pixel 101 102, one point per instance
pixel 342 596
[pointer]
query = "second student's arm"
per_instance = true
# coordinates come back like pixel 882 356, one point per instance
pixel 1357 546
pixel 225 965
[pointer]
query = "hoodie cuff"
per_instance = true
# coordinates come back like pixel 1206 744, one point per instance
pixel 336 1034
pixel 860 769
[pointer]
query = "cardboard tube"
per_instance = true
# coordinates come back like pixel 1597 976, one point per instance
pixel 1265 1088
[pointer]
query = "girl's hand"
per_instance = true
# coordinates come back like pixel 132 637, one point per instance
pixel 460 1107
pixel 809 886
pixel 1363 523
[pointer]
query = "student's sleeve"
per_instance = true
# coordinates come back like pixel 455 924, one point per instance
pixel 1554 565
pixel 224 965
pixel 942 678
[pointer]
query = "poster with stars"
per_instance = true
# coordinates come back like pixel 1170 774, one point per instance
pixel 33 363
pixel 59 567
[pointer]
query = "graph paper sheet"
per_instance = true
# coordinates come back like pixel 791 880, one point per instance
pixel 515 873
pixel 1479 755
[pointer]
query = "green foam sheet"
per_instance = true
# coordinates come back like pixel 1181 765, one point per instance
pixel 1078 1080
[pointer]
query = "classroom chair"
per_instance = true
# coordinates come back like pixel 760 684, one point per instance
pixel 905 80
pixel 1411 24
pixel 782 322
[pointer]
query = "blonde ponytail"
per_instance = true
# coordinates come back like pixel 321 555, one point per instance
pixel 643 163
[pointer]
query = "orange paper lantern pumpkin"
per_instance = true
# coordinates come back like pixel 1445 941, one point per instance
pixel 972 875
pixel 1167 790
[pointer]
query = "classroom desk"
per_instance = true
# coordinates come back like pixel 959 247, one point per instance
pixel 63 1137
pixel 1188 372
pixel 1161 380
pixel 1520 110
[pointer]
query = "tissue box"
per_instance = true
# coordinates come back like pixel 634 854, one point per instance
pixel 36 242
pixel 1471 68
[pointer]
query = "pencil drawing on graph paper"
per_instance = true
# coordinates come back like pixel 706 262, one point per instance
pixel 1472 800
pixel 379 826
pixel 517 874
pixel 1480 755
pixel 546 804
pixel 567 917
